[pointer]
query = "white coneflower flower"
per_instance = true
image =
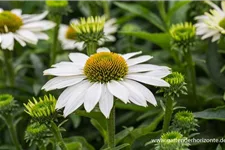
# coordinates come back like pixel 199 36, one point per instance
pixel 212 24
pixel 67 35
pixel 23 28
pixel 103 75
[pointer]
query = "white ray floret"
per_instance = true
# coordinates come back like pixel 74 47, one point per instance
pixel 211 24
pixel 23 28
pixel 90 81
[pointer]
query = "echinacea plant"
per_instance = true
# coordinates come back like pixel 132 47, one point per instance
pixel 7 110
pixel 43 111
pixel 23 28
pixel 101 77
pixel 69 39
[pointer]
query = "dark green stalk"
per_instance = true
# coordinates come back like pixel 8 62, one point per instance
pixel 190 69
pixel 9 67
pixel 111 129
pixel 12 130
pixel 91 48
pixel 57 134
pixel 53 52
pixel 168 114
pixel 106 9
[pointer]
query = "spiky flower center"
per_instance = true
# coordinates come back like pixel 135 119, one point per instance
pixel 5 100
pixel 184 116
pixel 182 32
pixel 9 22
pixel 222 23
pixel 175 78
pixel 56 3
pixel 42 109
pixel 105 66
pixel 70 33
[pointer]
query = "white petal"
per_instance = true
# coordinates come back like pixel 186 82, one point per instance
pixel 118 90
pixel 145 91
pixel 34 17
pixel 92 96
pixel 109 38
pixel 213 5
pixel 19 40
pixel 77 99
pixel 216 37
pixel 210 33
pixel 71 93
pixel 78 58
pixel 103 49
pixel 145 67
pixel 138 60
pixel 1 10
pixel 158 73
pixel 67 64
pixel 129 55
pixel 41 35
pixel 38 26
pixel 106 101
pixel 62 82
pixel 7 41
pixel 63 71
pixel 27 36
pixel 223 5
pixel 17 12
pixel 135 95
pixel 148 80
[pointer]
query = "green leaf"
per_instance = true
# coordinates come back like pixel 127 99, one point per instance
pixel 74 146
pixel 81 140
pixel 212 114
pixel 214 63
pixel 141 131
pixel 118 147
pixel 219 147
pixel 75 120
pixel 96 124
pixel 93 115
pixel 160 39
pixel 175 7
pixel 142 12
pixel 122 134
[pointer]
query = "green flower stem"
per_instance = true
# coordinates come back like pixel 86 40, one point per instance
pixel 91 48
pixel 106 9
pixel 55 43
pixel 9 67
pixel 168 114
pixel 190 69
pixel 57 134
pixel 12 130
pixel 162 11
pixel 111 129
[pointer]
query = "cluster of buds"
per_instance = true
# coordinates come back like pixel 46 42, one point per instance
pixel 177 85
pixel 89 29
pixel 183 35
pixel 42 110
pixel 172 141
pixel 184 122
pixel 7 104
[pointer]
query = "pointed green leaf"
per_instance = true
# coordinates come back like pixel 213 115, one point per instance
pixel 212 114
pixel 160 39
pixel 142 12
